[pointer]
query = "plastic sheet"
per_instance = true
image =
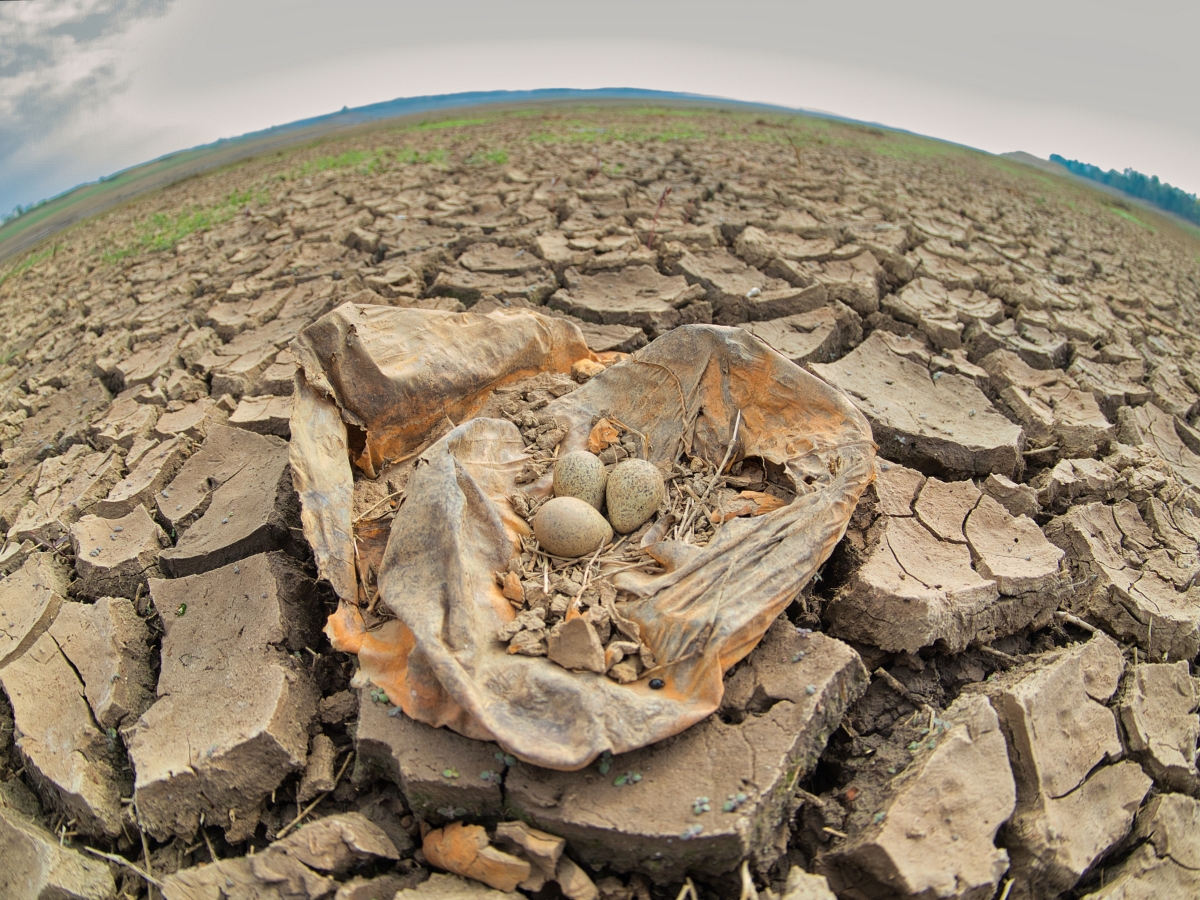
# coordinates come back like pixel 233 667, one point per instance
pixel 380 384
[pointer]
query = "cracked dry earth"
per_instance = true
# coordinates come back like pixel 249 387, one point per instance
pixel 988 691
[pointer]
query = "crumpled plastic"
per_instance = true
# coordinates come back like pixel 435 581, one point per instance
pixel 377 385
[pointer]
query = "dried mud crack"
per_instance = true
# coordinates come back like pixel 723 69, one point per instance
pixel 987 691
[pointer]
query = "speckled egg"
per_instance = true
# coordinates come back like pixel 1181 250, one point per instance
pixel 635 490
pixel 568 526
pixel 580 474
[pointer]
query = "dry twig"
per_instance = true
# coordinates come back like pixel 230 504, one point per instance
pixel 896 685
pixel 654 224
pixel 799 161
pixel 999 655
pixel 1076 621
pixel 749 891
pixel 149 864
pixel 1040 450
pixel 686 523
pixel 212 854
pixel 304 812
pixel 124 863
pixel 392 496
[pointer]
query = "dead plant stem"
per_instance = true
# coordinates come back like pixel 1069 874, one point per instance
pixel 799 161
pixel 304 812
pixel 212 854
pixel 391 496
pixel 654 224
pixel 123 862
pixel 737 422
pixel 749 891
pixel 896 685
pixel 999 655
pixel 1040 450
pixel 149 864
pixel 1076 621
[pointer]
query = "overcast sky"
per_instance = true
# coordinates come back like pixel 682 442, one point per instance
pixel 88 87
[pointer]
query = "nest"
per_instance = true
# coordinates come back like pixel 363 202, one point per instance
pixel 568 609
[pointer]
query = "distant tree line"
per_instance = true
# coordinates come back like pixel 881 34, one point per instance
pixel 1135 184
pixel 21 210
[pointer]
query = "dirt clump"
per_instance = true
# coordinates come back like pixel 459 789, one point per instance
pixel 226 673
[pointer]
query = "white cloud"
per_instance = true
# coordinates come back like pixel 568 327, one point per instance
pixel 61 62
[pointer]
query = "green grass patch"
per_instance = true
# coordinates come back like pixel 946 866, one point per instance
pixel 361 159
pixel 773 137
pixel 673 134
pixel 365 162
pixel 1126 214
pixel 581 134
pixel 558 112
pixel 901 146
pixel 495 157
pixel 662 111
pixel 162 231
pixel 409 156
pixel 28 263
pixel 445 123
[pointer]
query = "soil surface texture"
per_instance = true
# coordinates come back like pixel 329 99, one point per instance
pixel 987 691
